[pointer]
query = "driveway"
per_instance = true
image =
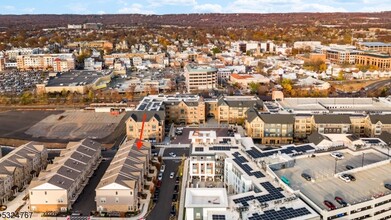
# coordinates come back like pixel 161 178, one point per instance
pixel 163 206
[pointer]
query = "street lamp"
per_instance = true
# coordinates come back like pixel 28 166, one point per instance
pixel 362 160
pixel 335 166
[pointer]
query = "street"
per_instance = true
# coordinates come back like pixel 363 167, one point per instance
pixel 86 201
pixel 178 151
pixel 163 205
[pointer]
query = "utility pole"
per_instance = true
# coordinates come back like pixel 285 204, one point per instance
pixel 362 160
pixel 335 166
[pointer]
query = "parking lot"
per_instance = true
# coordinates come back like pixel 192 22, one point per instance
pixel 325 185
pixel 15 82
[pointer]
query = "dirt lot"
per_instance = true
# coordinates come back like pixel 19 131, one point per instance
pixel 351 86
pixel 13 124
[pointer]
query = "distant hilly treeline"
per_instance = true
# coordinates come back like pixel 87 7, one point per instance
pixel 355 20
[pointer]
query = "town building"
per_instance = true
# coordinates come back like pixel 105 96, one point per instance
pixel 200 78
pixel 180 109
pixel 245 80
pixel 58 187
pixel 124 179
pixel 375 125
pixel 151 121
pixel 232 109
pixel 339 53
pixel 54 62
pixel 79 81
pixel 332 124
pixel 374 46
pixel 19 167
pixel 270 128
pixel 380 60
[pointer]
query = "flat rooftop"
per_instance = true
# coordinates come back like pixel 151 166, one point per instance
pixel 325 186
pixel 75 78
pixel 336 104
pixel 155 102
pixel 206 198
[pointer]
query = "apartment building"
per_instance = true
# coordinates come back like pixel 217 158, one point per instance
pixel 119 187
pixel 2 63
pixel 339 53
pixel 244 80
pixel 200 78
pixel 269 128
pixel 59 186
pixel 303 126
pixel 18 168
pixel 375 46
pixel 153 125
pixel 186 109
pixel 380 60
pixel 232 109
pixel 357 126
pixel 331 124
pixel 55 62
pixel 376 124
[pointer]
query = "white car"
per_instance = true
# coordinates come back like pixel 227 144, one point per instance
pixel 172 174
pixel 162 168
pixel 344 177
pixel 172 154
pixel 337 155
pixel 160 177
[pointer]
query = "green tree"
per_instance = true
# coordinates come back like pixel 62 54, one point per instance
pixel 340 75
pixel 287 85
pixel 26 98
pixel 253 87
pixel 215 50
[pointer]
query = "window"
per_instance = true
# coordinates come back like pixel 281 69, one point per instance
pixel 103 200
pixel 46 193
pixel 31 193
pixel 131 193
pixel 116 192
pixel 131 128
pixel 116 200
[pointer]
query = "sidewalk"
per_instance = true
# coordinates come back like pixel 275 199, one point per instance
pixel 181 213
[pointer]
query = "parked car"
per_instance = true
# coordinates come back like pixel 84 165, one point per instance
pixel 349 167
pixel 176 189
pixel 388 186
pixel 172 174
pixel 177 180
pixel 344 177
pixel 175 197
pixel 341 201
pixel 173 210
pixel 351 177
pixel 159 184
pixel 160 177
pixel 306 176
pixel 162 168
pixel 172 154
pixel 337 155
pixel 329 204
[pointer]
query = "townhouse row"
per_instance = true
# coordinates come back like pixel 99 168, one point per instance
pixel 19 167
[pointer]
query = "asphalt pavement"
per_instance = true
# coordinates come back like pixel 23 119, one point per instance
pixel 163 206
pixel 85 203
pixel 178 151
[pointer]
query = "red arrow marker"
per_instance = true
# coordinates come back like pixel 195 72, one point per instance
pixel 139 142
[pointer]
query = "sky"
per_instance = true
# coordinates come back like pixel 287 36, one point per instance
pixel 188 6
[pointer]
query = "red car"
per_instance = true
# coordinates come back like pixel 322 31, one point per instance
pixel 159 183
pixel 329 205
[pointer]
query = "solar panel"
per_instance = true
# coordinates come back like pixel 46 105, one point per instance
pixel 258 174
pixel 218 217
pixel 199 149
pixel 282 214
pixel 222 148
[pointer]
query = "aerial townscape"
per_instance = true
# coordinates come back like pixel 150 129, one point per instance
pixel 195 110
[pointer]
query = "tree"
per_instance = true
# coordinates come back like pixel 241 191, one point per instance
pixel 26 98
pixel 90 96
pixel 287 85
pixel 340 75
pixel 215 50
pixel 253 87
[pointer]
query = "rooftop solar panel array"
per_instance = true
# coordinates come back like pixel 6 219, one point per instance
pixel 218 217
pixel 255 153
pixel 222 148
pixel 282 214
pixel 274 194
pixel 199 149
pixel 240 160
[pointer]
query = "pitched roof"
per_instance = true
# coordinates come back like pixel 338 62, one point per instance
pixel 138 115
pixel 384 119
pixel 332 119
pixel 316 138
pixel 277 118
